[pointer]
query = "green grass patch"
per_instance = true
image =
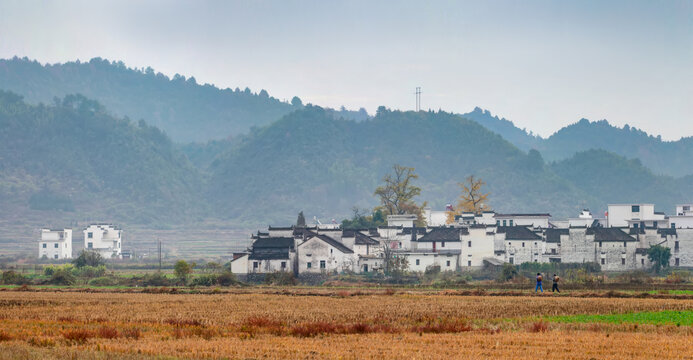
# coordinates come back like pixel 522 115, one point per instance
pixel 668 317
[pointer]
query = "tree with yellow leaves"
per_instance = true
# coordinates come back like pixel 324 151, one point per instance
pixel 472 199
pixel 398 191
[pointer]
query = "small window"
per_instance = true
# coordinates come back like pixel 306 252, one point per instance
pixel 400 245
pixel 90 245
pixel 497 222
pixel 512 260
pixel 469 244
pixel 442 244
pixel 523 244
pixel 448 263
pixel 635 208
pixel 418 262
pixel 331 251
pixel 642 261
pixel 535 244
pixel 623 261
pixel 673 225
pixel 255 265
pixel 503 222
pixel 283 264
pixel 309 265
pixel 676 262
pixel 654 223
pixel 322 264
pixel 625 244
pixel 686 208
pixel 56 256
pixel 55 245
pixel 469 263
pixel 600 244
pixel 603 261
pixel 44 245
pixel 511 222
pixel 635 226
pixel 90 235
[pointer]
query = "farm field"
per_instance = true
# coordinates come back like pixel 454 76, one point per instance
pixel 351 324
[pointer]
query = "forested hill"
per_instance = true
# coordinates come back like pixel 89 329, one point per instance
pixel 75 158
pixel 185 110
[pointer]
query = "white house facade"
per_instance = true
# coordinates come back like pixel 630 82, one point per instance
pixel 106 239
pixel 55 244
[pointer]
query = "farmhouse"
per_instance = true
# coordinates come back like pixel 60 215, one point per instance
pixel 55 244
pixel 106 239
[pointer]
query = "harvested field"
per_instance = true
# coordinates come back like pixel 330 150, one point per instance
pixel 375 325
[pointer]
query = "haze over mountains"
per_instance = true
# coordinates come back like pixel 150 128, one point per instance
pixel 258 160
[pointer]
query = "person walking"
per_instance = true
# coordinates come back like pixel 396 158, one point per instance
pixel 556 279
pixel 539 287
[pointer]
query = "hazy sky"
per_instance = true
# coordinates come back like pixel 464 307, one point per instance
pixel 541 64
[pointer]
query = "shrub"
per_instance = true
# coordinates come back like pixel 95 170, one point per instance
pixel 539 326
pixel 12 277
pixel 635 277
pixel 227 278
pixel 108 333
pixel 78 335
pixel 280 278
pixel 88 258
pixel 48 270
pixel 89 271
pixel 157 279
pixel 678 277
pixel 205 280
pixel 132 333
pixel 62 277
pixel 103 281
pixel 5 336
pixel 507 273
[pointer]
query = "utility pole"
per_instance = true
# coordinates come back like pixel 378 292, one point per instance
pixel 418 98
pixel 159 255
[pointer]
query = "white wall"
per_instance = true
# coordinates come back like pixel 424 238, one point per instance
pixel 447 262
pixel 55 244
pixel 104 239
pixel 315 251
pixel 240 265
pixel 482 246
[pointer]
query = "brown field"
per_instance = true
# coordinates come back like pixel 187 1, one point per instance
pixel 340 325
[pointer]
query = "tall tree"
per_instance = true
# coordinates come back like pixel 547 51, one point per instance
pixel 301 221
pixel 472 199
pixel 659 256
pixel 398 191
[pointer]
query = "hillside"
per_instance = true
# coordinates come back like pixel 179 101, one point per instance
pixel 505 128
pixel 663 157
pixel 185 110
pixel 310 161
pixel 72 157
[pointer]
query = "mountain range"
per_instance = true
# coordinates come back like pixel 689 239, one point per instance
pixel 200 152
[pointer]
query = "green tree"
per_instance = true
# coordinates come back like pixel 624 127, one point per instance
pixel 508 272
pixel 659 256
pixel 88 258
pixel 182 270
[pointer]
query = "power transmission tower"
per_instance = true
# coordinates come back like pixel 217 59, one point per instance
pixel 418 98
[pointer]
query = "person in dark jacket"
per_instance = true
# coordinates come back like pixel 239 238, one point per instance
pixel 556 279
pixel 539 287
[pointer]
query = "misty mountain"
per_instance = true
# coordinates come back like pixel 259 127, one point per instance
pixel 505 128
pixel 74 157
pixel 663 157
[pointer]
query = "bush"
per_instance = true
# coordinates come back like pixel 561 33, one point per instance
pixel 88 258
pixel 508 272
pixel 227 278
pixel 48 270
pixel 157 279
pixel 62 277
pixel 635 277
pixel 678 277
pixel 280 278
pixel 89 271
pixel 103 281
pixel 12 277
pixel 205 280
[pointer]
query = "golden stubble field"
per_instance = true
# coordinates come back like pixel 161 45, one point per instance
pixel 377 325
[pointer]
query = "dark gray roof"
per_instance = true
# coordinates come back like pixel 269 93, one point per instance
pixel 554 235
pixel 281 227
pixel 609 234
pixel 524 215
pixel 274 242
pixel 362 239
pixel 666 231
pixel 269 254
pixel 419 230
pixel 441 234
pixel 341 247
pixel 518 233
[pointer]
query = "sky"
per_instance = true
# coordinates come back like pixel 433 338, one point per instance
pixel 540 64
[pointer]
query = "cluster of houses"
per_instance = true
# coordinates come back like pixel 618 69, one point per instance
pixel 106 239
pixel 619 241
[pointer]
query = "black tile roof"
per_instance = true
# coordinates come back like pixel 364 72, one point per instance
pixel 419 230
pixel 441 234
pixel 362 239
pixel 274 242
pixel 518 233
pixel 609 234
pixel 281 228
pixel 554 235
pixel 666 231
pixel 269 254
pixel 341 247
pixel 523 215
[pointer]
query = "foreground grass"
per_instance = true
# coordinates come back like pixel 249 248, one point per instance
pixel 669 317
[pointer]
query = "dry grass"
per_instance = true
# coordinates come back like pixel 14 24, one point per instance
pixel 363 325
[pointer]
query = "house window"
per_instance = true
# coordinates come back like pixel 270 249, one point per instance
pixel 535 244
pixel 448 263
pixel 642 262
pixel 553 251
pixel 635 208
pixel 309 265
pixel 600 244
pixel 418 261
pixel 511 222
pixel 635 226
pixel 442 244
pixel 44 245
pixel 90 235
pixel 330 251
pixel 55 245
pixel 283 264
pixel 503 222
pixel 469 244
pixel 497 222
pixel 624 244
pixel 512 260
pixel 603 261
pixel 623 261
pixel 654 223
pixel 676 262
pixel 400 245
pixel 322 264
pixel 56 256
pixel 469 263
pixel 523 244
pixel 686 208
pixel 673 225
pixel 90 245
pixel 676 245
pixel 255 265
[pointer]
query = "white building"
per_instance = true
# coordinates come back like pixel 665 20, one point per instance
pixel 683 218
pixel 106 239
pixel 271 254
pixel 533 220
pixel 55 244
pixel 406 220
pixel 435 218
pixel 635 216
pixel 321 254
